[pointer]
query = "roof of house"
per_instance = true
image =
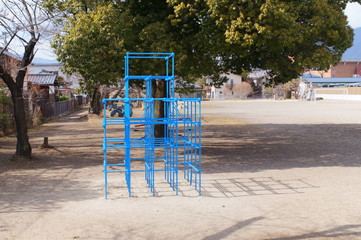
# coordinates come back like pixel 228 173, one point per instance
pixel 309 75
pixel 258 73
pixel 42 79
pixel 333 80
pixel 354 53
pixel 9 54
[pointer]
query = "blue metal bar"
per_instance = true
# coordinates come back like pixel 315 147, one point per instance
pixel 134 54
pixel 187 122
pixel 144 77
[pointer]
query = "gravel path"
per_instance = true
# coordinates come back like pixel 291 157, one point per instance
pixel 272 170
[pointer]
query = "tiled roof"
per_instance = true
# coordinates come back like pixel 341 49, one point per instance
pixel 42 79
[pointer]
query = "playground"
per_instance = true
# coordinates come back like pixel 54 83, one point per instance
pixel 271 170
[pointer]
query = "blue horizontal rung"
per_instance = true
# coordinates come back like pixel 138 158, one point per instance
pixel 146 77
pixel 182 123
pixel 137 53
pixel 114 165
pixel 113 171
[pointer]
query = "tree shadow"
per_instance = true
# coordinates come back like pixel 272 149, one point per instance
pixel 252 148
pixel 351 231
pixel 239 225
pixel 42 191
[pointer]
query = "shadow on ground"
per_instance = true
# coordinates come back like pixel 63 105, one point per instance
pixel 346 231
pixel 226 148
pixel 228 231
pixel 252 148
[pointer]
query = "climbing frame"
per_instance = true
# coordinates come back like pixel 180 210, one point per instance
pixel 179 149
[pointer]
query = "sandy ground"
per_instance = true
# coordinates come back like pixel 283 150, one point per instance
pixel 271 170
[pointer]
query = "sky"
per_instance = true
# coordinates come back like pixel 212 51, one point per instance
pixel 353 12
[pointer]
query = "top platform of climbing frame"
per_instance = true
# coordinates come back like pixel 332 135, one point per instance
pixel 168 65
pixel 150 55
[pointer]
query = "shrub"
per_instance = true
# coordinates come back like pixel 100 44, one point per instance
pixel 243 89
pixel 5 113
pixel 64 98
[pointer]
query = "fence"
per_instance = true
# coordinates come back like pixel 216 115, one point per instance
pixel 57 109
pixel 338 93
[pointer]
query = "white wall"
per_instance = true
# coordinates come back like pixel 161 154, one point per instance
pixel 222 93
pixel 339 97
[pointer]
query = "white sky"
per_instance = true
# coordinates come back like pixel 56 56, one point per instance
pixel 353 12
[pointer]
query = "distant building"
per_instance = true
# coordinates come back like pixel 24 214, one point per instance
pixel 10 62
pixel 350 64
pixel 227 90
pixel 347 69
pixel 46 85
pixel 71 81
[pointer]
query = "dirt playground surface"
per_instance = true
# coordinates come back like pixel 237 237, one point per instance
pixel 271 170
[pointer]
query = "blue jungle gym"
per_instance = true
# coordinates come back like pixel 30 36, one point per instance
pixel 179 149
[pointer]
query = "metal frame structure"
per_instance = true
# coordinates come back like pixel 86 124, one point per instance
pixel 180 148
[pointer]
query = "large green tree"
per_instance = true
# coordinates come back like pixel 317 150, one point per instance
pixel 95 38
pixel 209 37
pixel 92 45
pixel 284 36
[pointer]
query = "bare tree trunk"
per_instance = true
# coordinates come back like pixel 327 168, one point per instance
pixel 23 147
pixel 95 106
pixel 27 19
pixel 159 91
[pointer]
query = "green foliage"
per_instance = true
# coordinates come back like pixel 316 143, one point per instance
pixel 91 45
pixel 209 37
pixel 5 118
pixel 64 98
pixel 4 99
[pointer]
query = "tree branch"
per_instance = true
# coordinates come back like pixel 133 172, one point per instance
pixel 6 77
pixel 7 44
pixel 14 13
pixel 30 19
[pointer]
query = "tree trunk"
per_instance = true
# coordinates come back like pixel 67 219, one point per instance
pixel 23 147
pixel 95 106
pixel 159 91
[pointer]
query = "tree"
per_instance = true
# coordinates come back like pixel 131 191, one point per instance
pixel 25 21
pixel 209 37
pixel 91 45
pixel 110 29
pixel 283 36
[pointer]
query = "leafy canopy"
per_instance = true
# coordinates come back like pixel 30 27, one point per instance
pixel 209 37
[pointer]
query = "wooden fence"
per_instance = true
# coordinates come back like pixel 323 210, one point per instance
pixel 56 109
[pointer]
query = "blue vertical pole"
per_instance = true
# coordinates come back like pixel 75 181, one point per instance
pixel 200 148
pixel 127 129
pixel 105 162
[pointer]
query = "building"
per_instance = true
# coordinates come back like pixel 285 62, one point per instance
pixel 350 64
pixel 71 81
pixel 231 89
pixel 44 85
pixel 10 62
